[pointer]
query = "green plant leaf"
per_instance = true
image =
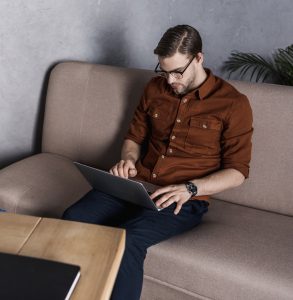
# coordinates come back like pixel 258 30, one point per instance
pixel 284 63
pixel 244 62
pixel 279 68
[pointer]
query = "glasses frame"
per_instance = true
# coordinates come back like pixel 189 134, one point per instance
pixel 174 74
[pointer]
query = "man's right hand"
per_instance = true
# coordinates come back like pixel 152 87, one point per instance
pixel 124 168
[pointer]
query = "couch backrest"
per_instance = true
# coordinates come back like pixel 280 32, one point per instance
pixel 89 107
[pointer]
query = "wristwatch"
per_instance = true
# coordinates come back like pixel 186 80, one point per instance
pixel 191 188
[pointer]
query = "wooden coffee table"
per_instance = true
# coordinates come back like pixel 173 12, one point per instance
pixel 98 250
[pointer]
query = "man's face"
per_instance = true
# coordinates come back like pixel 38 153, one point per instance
pixel 178 62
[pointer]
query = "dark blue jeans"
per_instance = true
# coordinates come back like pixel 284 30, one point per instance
pixel 144 228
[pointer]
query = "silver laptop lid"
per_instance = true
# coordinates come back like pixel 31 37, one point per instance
pixel 122 188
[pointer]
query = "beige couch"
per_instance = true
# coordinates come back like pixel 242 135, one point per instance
pixel 244 247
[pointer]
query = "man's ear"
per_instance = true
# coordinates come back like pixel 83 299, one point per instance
pixel 199 57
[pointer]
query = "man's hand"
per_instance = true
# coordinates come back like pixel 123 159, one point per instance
pixel 172 193
pixel 124 168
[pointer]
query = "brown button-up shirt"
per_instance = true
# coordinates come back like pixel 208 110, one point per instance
pixel 193 135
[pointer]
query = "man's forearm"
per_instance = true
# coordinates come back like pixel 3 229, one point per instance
pixel 130 151
pixel 218 182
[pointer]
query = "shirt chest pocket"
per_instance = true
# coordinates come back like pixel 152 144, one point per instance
pixel 204 136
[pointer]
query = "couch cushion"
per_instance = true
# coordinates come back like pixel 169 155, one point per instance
pixel 42 185
pixel 235 253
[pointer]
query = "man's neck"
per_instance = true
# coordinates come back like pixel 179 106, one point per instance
pixel 200 79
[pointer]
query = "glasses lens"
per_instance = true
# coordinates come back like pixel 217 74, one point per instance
pixel 173 74
pixel 176 75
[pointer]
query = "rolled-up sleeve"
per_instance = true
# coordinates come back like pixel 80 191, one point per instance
pixel 138 128
pixel 236 138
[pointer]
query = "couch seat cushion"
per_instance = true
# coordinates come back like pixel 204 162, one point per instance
pixel 235 253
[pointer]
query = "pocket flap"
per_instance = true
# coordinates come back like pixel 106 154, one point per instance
pixel 154 113
pixel 206 123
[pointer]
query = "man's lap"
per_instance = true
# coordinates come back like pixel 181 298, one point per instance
pixel 99 208
pixel 148 226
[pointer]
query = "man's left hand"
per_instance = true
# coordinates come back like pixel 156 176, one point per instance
pixel 172 193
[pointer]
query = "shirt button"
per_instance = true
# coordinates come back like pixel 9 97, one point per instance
pixel 156 115
pixel 154 175
pixel 170 150
pixel 173 137
pixel 178 120
pixel 163 156
pixel 204 126
pixel 184 100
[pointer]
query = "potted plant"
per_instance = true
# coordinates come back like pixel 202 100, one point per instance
pixel 278 69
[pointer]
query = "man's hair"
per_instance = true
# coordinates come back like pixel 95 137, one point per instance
pixel 181 38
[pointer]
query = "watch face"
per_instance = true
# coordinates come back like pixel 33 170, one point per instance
pixel 192 189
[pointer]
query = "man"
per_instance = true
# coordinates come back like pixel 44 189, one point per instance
pixel 198 132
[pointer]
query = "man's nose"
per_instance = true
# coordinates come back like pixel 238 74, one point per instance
pixel 170 79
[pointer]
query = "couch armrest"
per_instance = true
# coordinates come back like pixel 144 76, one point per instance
pixel 43 185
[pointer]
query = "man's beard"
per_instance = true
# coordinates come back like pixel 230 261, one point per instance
pixel 181 89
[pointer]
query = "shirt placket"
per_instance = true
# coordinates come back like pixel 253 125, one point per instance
pixel 170 150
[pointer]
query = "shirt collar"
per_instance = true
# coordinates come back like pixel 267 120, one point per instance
pixel 205 88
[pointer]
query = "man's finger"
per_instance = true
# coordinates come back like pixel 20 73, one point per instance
pixel 126 171
pixel 166 197
pixel 178 207
pixel 132 172
pixel 115 171
pixel 161 191
pixel 121 169
pixel 173 199
pixel 127 166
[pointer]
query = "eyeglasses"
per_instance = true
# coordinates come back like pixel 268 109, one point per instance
pixel 175 74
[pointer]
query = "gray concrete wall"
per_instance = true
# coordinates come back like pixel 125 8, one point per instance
pixel 35 34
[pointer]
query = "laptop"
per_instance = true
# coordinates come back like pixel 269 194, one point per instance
pixel 134 191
